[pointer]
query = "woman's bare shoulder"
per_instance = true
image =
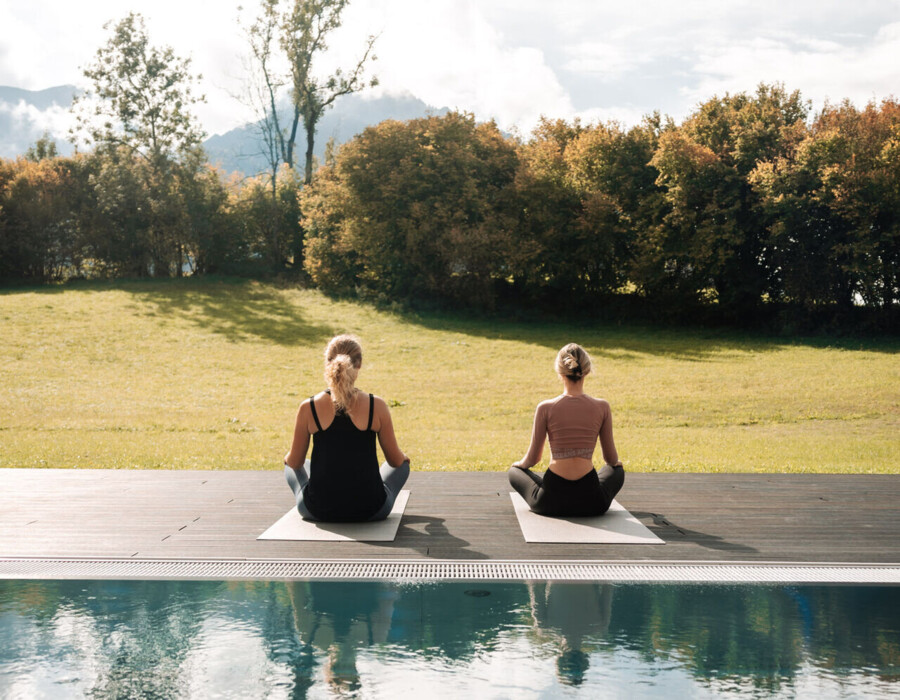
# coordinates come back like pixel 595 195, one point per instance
pixel 315 400
pixel 304 413
pixel 379 405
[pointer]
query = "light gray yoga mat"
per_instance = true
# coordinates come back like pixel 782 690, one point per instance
pixel 616 526
pixel 292 527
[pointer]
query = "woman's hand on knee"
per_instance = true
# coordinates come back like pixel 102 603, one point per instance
pixel 404 463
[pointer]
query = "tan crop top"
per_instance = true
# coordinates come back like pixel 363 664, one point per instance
pixel 572 424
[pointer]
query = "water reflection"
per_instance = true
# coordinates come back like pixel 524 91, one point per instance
pixel 577 616
pixel 320 639
pixel 337 619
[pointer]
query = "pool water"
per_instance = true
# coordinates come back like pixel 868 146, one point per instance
pixel 321 639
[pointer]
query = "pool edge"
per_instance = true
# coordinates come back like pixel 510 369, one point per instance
pixel 86 568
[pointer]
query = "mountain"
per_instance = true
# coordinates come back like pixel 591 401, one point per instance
pixel 26 114
pixel 240 150
pixel 42 99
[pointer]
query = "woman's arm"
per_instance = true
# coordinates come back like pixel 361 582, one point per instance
pixel 295 456
pixel 607 444
pixel 384 426
pixel 538 436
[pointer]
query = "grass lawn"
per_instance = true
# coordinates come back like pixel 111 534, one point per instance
pixel 208 374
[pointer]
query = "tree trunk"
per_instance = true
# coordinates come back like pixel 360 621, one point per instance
pixel 289 155
pixel 310 141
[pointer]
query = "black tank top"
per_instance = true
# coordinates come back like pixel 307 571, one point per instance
pixel 344 482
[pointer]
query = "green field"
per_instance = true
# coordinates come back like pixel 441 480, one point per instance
pixel 208 375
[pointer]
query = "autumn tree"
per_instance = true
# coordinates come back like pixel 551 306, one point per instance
pixel 416 209
pixel 712 241
pixel 41 237
pixel 834 202
pixel 609 167
pixel 865 183
pixel 277 134
pixel 586 193
pixel 547 231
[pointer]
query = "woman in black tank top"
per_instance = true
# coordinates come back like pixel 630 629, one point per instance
pixel 342 482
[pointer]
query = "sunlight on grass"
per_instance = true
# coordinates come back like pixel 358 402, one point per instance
pixel 208 375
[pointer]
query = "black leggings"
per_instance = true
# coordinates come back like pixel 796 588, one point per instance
pixel 393 477
pixel 551 494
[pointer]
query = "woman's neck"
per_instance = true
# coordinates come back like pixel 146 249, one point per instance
pixel 573 388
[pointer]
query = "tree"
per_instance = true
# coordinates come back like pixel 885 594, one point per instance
pixel 834 203
pixel 586 194
pixel 301 30
pixel 40 234
pixel 44 147
pixel 215 239
pixel 263 86
pixel 141 97
pixel 548 259
pixel 269 227
pixel 610 169
pixel 866 193
pixel 416 209
pixel 139 109
pixel 712 241
pixel 305 30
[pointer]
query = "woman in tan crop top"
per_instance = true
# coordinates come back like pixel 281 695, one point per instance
pixel 572 422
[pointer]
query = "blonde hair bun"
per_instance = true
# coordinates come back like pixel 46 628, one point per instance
pixel 573 362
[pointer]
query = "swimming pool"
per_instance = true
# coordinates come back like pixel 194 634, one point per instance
pixel 445 639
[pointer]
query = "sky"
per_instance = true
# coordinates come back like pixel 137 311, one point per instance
pixel 507 60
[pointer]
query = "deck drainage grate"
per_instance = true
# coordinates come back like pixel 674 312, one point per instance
pixel 63 568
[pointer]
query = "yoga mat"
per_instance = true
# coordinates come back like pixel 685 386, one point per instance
pixel 616 526
pixel 292 527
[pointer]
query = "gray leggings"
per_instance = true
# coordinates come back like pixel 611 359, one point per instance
pixel 393 477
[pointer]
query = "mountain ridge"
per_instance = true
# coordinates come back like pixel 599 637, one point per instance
pixel 26 114
pixel 240 149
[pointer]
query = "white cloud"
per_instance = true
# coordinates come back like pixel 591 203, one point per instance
pixel 56 120
pixel 606 60
pixel 45 42
pixel 443 51
pixel 48 43
pixel 508 59
pixel 821 70
pixel 446 53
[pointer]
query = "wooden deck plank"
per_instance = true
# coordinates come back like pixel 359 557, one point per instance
pixel 450 515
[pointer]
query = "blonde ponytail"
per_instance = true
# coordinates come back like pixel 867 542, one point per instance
pixel 343 358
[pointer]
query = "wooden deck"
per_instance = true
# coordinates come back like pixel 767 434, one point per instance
pixel 450 516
